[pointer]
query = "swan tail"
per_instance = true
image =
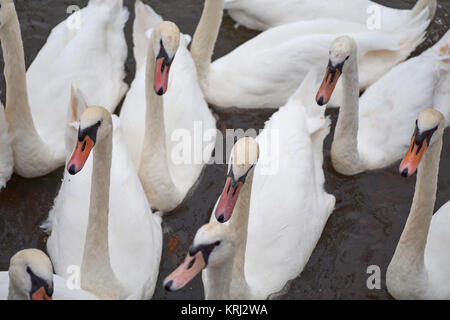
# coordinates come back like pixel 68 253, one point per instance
pixel 306 96
pixel 6 155
pixel 146 18
pixel 442 47
pixel 420 5
pixel 412 33
pixel 118 45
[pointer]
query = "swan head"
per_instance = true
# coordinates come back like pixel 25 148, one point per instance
pixel 244 156
pixel 95 125
pixel 7 10
pixel 342 53
pixel 30 275
pixel 212 247
pixel 429 128
pixel 166 40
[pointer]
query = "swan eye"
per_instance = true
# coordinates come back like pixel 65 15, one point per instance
pixel 217 243
pixel 99 122
pixel 347 57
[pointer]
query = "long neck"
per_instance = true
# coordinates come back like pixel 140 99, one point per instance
pixel 154 170
pixel 239 226
pixel 205 36
pixel 344 150
pixel 15 293
pixel 408 258
pixel 97 275
pixel 17 106
pixel 32 156
pixel 219 280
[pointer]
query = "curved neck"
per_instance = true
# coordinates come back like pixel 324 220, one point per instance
pixel 97 275
pixel 17 106
pixel 15 293
pixel 344 149
pixel 154 170
pixel 408 258
pixel 31 155
pixel 205 36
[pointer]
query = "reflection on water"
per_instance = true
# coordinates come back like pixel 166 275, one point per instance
pixel 371 208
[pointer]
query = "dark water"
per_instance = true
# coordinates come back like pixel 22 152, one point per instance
pixel 363 230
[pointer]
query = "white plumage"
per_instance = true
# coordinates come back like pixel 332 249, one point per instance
pixel 266 70
pixel 265 14
pixel 185 109
pixel 135 235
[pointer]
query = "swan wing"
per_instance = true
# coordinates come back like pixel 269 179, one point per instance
pixel 284 227
pixel 388 108
pixel 89 56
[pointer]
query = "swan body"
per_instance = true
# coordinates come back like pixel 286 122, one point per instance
pixel 419 266
pixel 265 14
pixel 38 263
pixel 277 230
pixel 374 129
pixel 90 57
pixel 266 70
pixel 186 115
pixel 6 154
pixel 134 232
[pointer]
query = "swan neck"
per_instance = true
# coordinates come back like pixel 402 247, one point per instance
pixel 411 247
pixel 239 226
pixel 344 149
pixel 17 106
pixel 97 275
pixel 205 36
pixel 15 293
pixel 219 279
pixel 154 170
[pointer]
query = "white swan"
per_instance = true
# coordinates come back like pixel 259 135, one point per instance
pixel 182 117
pixel 266 70
pixel 118 251
pixel 271 233
pixel 419 267
pixel 91 58
pixel 30 277
pixel 6 154
pixel 265 14
pixel 372 131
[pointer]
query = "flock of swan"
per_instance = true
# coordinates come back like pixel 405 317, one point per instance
pixel 120 179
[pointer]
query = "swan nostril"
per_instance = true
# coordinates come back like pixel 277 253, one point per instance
pixel 221 218
pixel 72 169
pixel 160 92
pixel 168 286
pixel 404 173
pixel 320 101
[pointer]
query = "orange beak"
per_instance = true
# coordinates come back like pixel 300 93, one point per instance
pixel 40 294
pixel 187 271
pixel 80 155
pixel 161 76
pixel 413 157
pixel 328 84
pixel 228 200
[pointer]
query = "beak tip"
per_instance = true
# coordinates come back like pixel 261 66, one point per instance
pixel 72 170
pixel 320 101
pixel 221 218
pixel 160 91
pixel 168 285
pixel 405 173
